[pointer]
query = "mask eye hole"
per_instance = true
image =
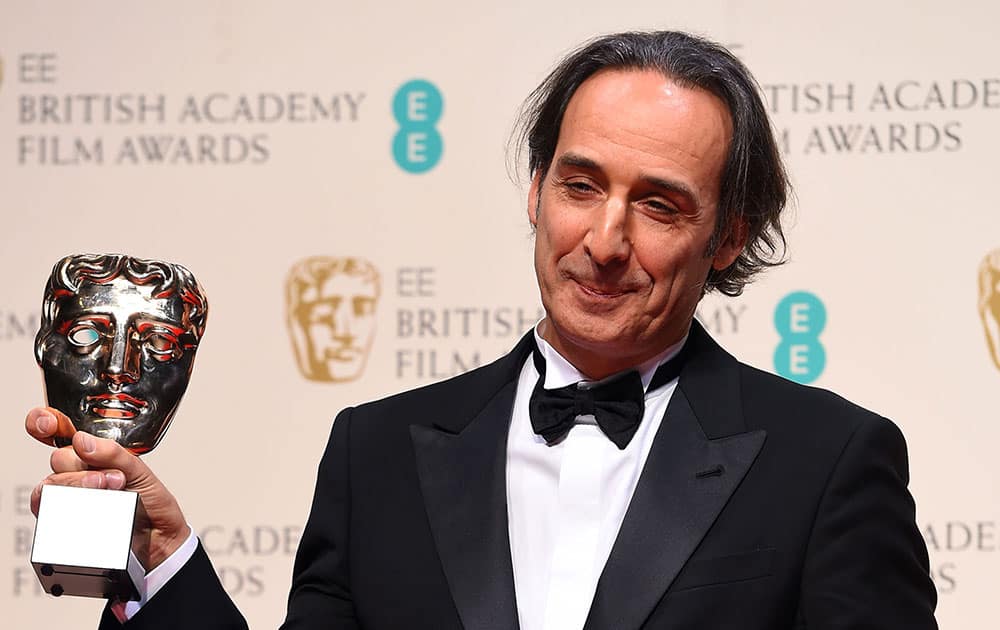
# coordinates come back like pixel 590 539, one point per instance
pixel 83 336
pixel 162 347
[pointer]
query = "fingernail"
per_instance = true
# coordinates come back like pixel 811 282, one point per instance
pixel 91 480
pixel 89 445
pixel 114 479
pixel 44 423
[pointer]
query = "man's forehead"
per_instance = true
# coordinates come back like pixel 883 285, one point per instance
pixel 649 85
pixel 648 105
pixel 647 125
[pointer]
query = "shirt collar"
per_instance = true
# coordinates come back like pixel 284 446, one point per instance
pixel 559 372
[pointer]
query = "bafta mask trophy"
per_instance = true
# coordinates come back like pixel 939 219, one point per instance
pixel 116 346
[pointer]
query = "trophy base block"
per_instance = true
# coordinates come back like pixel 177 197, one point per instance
pixel 105 583
pixel 91 543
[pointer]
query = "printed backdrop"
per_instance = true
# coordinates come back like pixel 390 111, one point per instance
pixel 243 138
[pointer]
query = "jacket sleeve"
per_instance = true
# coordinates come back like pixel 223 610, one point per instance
pixel 866 564
pixel 320 596
pixel 193 598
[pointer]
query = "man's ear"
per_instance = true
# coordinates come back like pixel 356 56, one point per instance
pixel 731 248
pixel 534 192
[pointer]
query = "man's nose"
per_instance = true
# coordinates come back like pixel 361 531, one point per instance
pixel 607 241
pixel 123 364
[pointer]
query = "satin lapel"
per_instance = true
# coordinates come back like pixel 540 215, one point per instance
pixel 687 480
pixel 463 479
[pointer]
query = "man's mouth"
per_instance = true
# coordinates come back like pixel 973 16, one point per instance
pixel 115 406
pixel 599 291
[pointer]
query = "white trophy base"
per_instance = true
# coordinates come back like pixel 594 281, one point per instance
pixel 91 543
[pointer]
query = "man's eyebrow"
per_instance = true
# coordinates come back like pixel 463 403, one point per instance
pixel 673 186
pixel 575 160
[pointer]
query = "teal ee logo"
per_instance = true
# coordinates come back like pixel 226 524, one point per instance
pixel 417 108
pixel 800 318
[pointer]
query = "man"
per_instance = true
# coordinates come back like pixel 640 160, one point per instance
pixel 331 316
pixel 514 497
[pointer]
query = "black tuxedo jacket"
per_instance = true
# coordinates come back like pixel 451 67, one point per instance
pixel 762 504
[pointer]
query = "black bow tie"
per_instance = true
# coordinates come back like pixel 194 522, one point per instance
pixel 617 402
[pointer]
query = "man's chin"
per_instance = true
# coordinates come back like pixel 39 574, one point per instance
pixel 618 342
pixel 589 330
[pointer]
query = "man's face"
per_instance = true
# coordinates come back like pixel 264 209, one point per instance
pixel 624 216
pixel 118 361
pixel 339 320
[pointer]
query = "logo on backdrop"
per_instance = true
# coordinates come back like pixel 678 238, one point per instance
pixel 59 126
pixel 889 116
pixel 800 318
pixel 18 324
pixel 989 302
pixel 417 107
pixel 330 311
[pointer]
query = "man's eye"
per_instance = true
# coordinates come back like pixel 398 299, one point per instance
pixel 660 206
pixel 83 336
pixel 580 187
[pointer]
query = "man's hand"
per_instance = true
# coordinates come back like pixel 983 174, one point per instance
pixel 92 462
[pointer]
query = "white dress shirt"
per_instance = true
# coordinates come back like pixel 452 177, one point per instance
pixel 566 502
pixel 156 578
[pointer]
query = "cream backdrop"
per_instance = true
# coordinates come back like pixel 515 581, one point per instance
pixel 891 117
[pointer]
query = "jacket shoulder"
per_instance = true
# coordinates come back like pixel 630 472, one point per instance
pixel 777 403
pixel 452 400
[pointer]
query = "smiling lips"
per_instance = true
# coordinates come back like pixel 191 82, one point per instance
pixel 608 292
pixel 116 406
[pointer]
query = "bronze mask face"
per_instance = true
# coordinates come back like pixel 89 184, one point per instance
pixel 117 344
pixel 331 316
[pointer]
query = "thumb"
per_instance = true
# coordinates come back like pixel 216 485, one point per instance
pixel 47 424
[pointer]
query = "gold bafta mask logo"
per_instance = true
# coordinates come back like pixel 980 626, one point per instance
pixel 989 302
pixel 331 306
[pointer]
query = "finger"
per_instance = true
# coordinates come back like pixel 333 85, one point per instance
pixel 101 479
pixel 95 479
pixel 46 423
pixel 100 453
pixel 65 459
pixel 36 497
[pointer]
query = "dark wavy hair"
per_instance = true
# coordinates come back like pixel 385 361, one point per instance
pixel 754 184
